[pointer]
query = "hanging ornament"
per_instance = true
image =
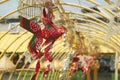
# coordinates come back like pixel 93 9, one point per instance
pixel 81 62
pixel 86 63
pixel 50 33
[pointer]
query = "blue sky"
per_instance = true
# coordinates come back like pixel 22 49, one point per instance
pixel 8 6
pixel 12 5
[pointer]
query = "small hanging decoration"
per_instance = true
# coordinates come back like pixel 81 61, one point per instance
pixel 81 62
pixel 86 63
